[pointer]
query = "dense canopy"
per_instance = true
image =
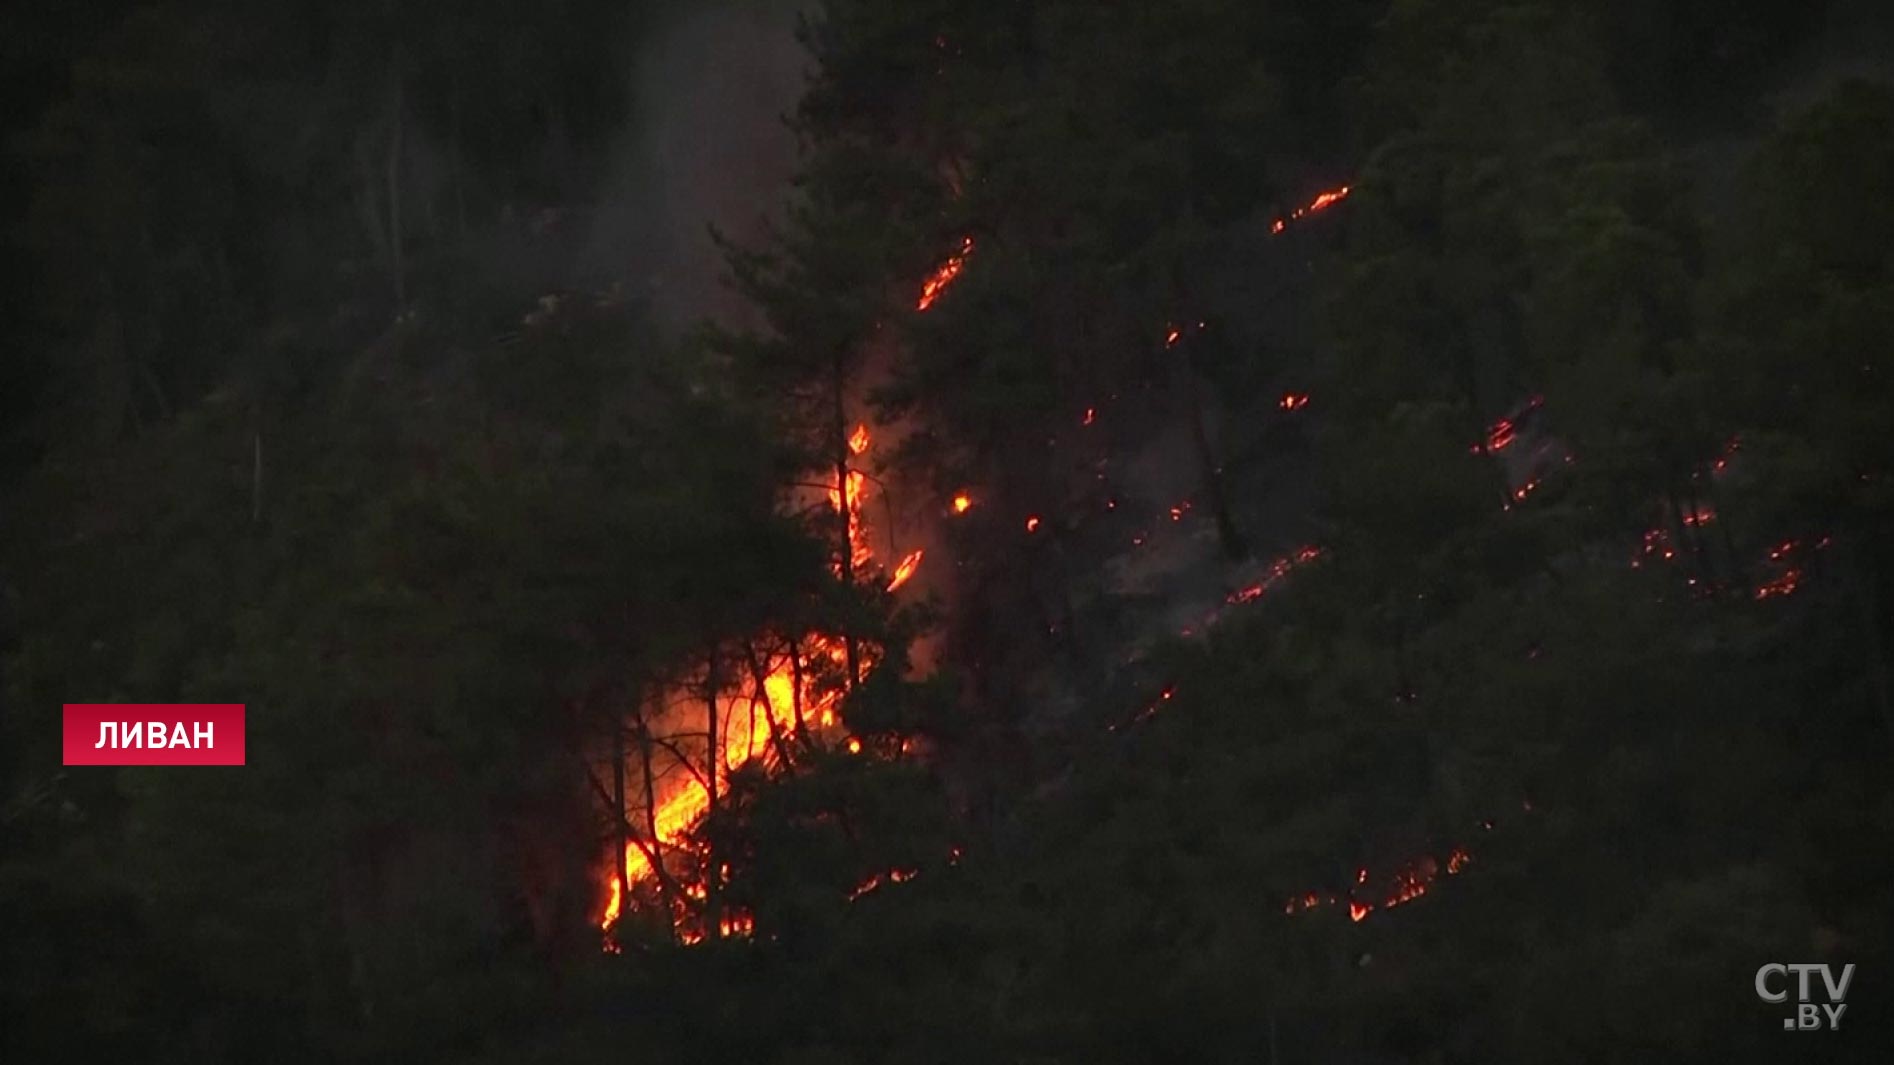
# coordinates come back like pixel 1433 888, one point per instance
pixel 950 531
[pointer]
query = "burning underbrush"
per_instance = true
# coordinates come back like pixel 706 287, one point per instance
pixel 749 711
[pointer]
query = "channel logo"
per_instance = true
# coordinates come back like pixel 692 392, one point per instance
pixel 1773 983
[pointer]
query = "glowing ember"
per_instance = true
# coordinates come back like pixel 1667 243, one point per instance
pixel 962 503
pixel 1168 693
pixel 1172 336
pixel 1091 414
pixel 1502 433
pixel 1293 401
pixel 1322 202
pixel 1032 524
pixel 1656 546
pixel 1780 586
pixel 944 275
pixel 892 876
pixel 1276 572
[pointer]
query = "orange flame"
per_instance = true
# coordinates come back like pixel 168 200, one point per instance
pixel 1408 883
pixel 755 710
pixel 1274 574
pixel 906 569
pixel 944 275
pixel 892 876
pixel 962 503
pixel 1502 433
pixel 1322 202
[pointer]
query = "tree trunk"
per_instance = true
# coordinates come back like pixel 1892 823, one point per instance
pixel 256 478
pixel 622 836
pixel 842 494
pixel 460 164
pixel 712 889
pixel 1234 546
pixel 1689 535
pixel 795 687
pixel 1867 596
pixel 396 265
pixel 667 891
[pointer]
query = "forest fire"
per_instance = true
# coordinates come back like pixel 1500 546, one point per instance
pixel 789 691
pixel 1322 202
pixel 944 275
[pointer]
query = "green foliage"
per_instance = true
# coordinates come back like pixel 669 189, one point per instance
pixel 445 569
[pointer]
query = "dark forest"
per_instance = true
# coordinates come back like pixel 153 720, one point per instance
pixel 964 531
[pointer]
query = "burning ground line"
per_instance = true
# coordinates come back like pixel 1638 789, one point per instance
pixel 1410 881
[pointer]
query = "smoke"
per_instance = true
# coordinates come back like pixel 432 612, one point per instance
pixel 708 146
